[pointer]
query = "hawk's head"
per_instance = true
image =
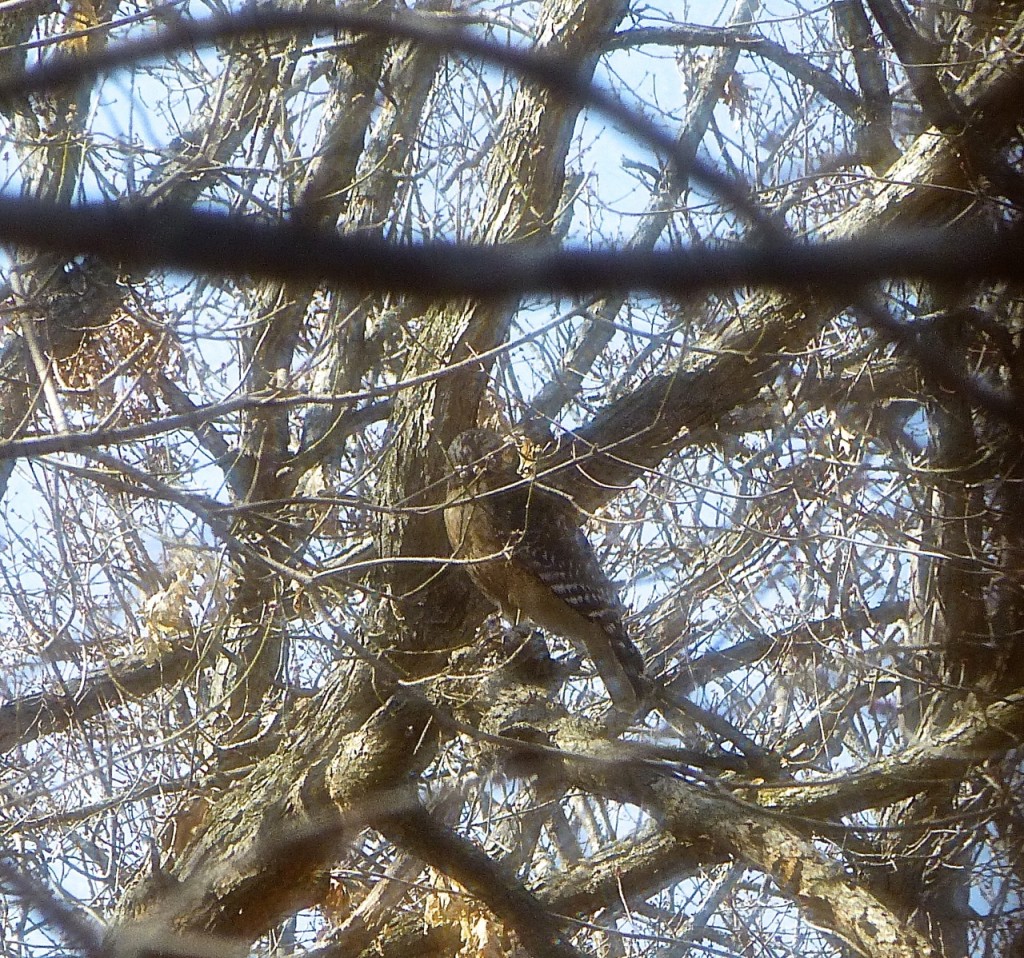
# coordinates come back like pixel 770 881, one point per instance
pixel 478 451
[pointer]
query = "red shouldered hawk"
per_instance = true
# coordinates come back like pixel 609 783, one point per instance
pixel 528 555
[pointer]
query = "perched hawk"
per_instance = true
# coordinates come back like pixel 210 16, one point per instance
pixel 526 553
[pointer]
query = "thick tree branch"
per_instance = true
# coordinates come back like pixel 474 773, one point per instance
pixel 264 847
pixel 761 838
pixel 738 38
pixel 43 713
pixel 928 184
pixel 213 243
pixel 982 733
pixel 550 67
pixel 415 830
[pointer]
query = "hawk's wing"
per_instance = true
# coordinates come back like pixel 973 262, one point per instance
pixel 554 550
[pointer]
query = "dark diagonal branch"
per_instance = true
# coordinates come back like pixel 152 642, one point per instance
pixel 73 924
pixel 43 713
pixel 415 830
pixel 982 733
pixel 691 35
pixel 557 74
